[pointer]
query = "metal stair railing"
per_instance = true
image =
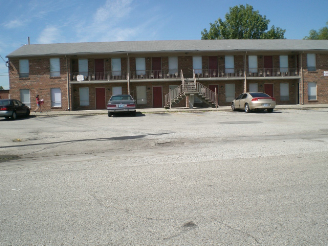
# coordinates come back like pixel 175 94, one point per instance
pixel 205 92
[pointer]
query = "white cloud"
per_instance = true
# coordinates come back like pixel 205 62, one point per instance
pixel 113 10
pixel 13 24
pixel 50 34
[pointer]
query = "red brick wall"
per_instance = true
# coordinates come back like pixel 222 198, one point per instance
pixel 4 94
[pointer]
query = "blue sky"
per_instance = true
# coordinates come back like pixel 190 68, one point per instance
pixel 61 21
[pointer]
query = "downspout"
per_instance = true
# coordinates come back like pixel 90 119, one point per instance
pixel 128 75
pixel 68 87
pixel 245 73
pixel 302 80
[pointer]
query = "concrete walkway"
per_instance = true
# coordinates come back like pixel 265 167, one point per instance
pixel 173 110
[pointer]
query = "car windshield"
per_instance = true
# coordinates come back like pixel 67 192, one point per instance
pixel 120 97
pixel 5 103
pixel 258 94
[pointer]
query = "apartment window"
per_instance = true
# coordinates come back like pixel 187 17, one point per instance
pixel 311 62
pixel 141 66
pixel 55 97
pixel 83 67
pixel 252 63
pixel 230 92
pixel 25 97
pixel 229 64
pixel 197 64
pixel 141 95
pixel 84 96
pixel 116 67
pixel 54 67
pixel 116 90
pixel 284 92
pixel 24 68
pixel 283 64
pixel 312 91
pixel 253 87
pixel 173 65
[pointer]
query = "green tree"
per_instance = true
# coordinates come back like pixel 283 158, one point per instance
pixel 243 22
pixel 322 34
pixel 1 87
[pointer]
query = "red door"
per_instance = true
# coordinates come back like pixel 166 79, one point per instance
pixel 213 66
pixel 157 97
pixel 99 69
pixel 100 98
pixel 156 66
pixel 268 89
pixel 268 65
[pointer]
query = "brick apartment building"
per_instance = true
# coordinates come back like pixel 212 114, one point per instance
pixel 74 76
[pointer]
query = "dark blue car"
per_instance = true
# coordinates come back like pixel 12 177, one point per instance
pixel 12 108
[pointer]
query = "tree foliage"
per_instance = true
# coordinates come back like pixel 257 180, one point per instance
pixel 243 22
pixel 1 87
pixel 322 34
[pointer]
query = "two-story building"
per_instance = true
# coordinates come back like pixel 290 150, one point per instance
pixel 73 76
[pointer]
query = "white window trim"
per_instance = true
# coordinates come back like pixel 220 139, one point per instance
pixel 54 67
pixel 315 91
pixel 283 61
pixel 284 91
pixel 54 103
pixel 197 64
pixel 24 68
pixel 173 65
pixel 116 67
pixel 311 62
pixel 252 63
pixel 229 63
pixel 141 66
pixel 84 96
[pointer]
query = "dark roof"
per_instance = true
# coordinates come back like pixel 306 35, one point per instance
pixel 169 46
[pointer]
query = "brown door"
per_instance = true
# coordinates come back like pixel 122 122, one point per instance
pixel 99 69
pixel 214 88
pixel 268 89
pixel 268 65
pixel 156 66
pixel 157 97
pixel 213 66
pixel 100 98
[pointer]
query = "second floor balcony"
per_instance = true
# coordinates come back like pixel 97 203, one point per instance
pixel 201 74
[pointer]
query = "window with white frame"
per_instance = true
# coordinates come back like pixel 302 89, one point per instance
pixel 84 96
pixel 284 91
pixel 252 63
pixel 229 64
pixel 312 91
pixel 173 65
pixel 230 92
pixel 283 64
pixel 141 66
pixel 253 87
pixel 83 67
pixel 116 67
pixel 197 64
pixel 55 97
pixel 141 95
pixel 54 67
pixel 25 97
pixel 116 90
pixel 24 68
pixel 311 62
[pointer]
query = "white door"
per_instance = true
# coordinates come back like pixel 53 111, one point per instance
pixel 25 97
pixel 55 97
pixel 117 90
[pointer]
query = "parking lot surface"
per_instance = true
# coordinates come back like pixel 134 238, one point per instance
pixel 200 178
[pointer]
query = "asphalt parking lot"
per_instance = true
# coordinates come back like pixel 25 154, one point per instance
pixel 200 178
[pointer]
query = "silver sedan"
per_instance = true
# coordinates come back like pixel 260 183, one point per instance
pixel 254 101
pixel 121 104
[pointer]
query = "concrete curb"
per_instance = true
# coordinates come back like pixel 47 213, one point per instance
pixel 173 110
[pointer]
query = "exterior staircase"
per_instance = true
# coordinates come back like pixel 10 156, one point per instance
pixel 190 87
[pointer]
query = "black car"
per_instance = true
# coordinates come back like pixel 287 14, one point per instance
pixel 12 108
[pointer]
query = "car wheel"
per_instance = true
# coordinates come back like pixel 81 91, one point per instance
pixel 109 114
pixel 247 110
pixel 14 116
pixel 270 110
pixel 27 113
pixel 233 107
